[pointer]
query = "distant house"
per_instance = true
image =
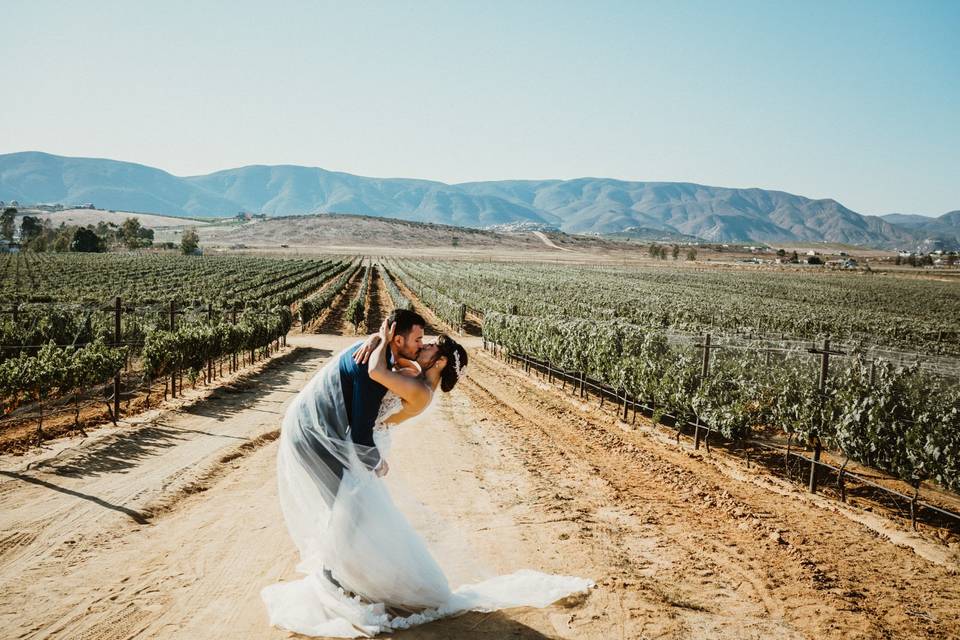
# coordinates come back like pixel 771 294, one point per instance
pixel 9 247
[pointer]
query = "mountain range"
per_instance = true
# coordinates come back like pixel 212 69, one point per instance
pixel 583 205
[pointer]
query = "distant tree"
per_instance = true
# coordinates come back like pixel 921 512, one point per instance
pixel 926 260
pixel 675 252
pixel 898 260
pixel 133 234
pixel 912 260
pixel 130 233
pixel 781 253
pixel 654 250
pixel 190 241
pixel 814 260
pixel 8 223
pixel 951 259
pixel 86 240
pixel 62 239
pixel 30 228
pixel 691 254
pixel 794 258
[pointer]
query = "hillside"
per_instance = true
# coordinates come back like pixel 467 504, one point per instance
pixel 356 232
pixel 584 205
pixel 945 227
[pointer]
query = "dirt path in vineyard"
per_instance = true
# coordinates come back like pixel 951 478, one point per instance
pixel 336 319
pixel 169 529
pixel 379 304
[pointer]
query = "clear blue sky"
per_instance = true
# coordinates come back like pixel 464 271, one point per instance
pixel 858 101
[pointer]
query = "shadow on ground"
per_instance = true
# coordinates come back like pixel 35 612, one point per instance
pixel 474 626
pixel 122 452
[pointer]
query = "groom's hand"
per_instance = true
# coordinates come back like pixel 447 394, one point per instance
pixel 362 354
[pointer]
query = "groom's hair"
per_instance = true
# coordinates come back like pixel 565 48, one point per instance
pixel 406 320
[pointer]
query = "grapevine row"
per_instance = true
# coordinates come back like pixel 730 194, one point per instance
pixel 897 419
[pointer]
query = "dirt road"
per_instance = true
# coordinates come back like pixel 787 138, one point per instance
pixel 170 528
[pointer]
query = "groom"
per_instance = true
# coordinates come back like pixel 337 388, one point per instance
pixel 362 396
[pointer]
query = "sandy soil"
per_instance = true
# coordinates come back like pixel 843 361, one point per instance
pixel 168 526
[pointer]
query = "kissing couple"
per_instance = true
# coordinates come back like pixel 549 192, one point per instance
pixel 366 570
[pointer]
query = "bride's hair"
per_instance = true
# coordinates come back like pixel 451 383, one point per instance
pixel 456 357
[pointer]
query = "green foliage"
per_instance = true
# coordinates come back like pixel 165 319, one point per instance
pixel 789 304
pixel 906 423
pixel 192 346
pixel 312 306
pixel 56 370
pixel 451 311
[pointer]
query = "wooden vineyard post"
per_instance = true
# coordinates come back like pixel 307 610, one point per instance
pixel 583 385
pixel 233 356
pixel 173 327
pixel 624 404
pixel 704 371
pixel 116 343
pixel 825 354
pixel 210 361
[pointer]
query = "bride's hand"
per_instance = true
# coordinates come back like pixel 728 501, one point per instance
pixel 382 469
pixel 361 355
pixel 388 332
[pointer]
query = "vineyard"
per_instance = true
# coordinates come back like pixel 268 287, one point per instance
pixel 883 391
pixel 83 330
pixel 889 397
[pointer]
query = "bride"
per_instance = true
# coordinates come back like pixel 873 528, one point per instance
pixel 366 569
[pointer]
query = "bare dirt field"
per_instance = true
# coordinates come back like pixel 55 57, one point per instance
pixel 168 525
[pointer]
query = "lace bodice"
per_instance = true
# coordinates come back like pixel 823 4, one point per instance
pixel 391 404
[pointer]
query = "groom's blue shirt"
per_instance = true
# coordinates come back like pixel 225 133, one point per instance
pixel 362 397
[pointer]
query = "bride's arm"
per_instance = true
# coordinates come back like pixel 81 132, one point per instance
pixel 410 389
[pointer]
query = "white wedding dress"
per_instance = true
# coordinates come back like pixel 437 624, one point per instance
pixel 352 529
